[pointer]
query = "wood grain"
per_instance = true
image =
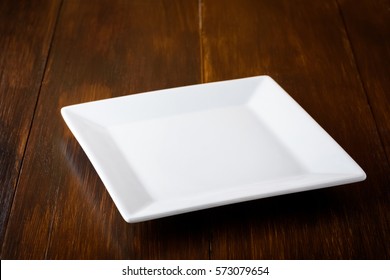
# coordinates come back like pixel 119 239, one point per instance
pixel 368 26
pixel 331 56
pixel 99 51
pixel 304 46
pixel 26 30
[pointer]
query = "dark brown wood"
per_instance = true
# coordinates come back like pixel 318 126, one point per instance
pixel 26 30
pixel 332 57
pixel 100 50
pixel 368 27
pixel 304 46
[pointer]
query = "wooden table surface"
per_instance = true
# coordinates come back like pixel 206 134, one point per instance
pixel 333 57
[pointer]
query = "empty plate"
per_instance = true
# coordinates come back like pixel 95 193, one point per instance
pixel 177 150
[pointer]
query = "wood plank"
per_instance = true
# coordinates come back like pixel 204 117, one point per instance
pixel 106 49
pixel 26 30
pixel 304 46
pixel 368 27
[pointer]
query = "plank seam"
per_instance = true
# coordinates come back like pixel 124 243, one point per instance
pixel 200 16
pixel 36 105
pixel 29 132
pixel 362 84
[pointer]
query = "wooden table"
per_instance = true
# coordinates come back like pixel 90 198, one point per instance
pixel 332 56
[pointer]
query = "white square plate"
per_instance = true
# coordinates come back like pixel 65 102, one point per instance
pixel 177 150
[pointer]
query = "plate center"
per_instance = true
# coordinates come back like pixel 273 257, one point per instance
pixel 203 153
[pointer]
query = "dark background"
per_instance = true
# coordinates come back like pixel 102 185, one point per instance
pixel 333 57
